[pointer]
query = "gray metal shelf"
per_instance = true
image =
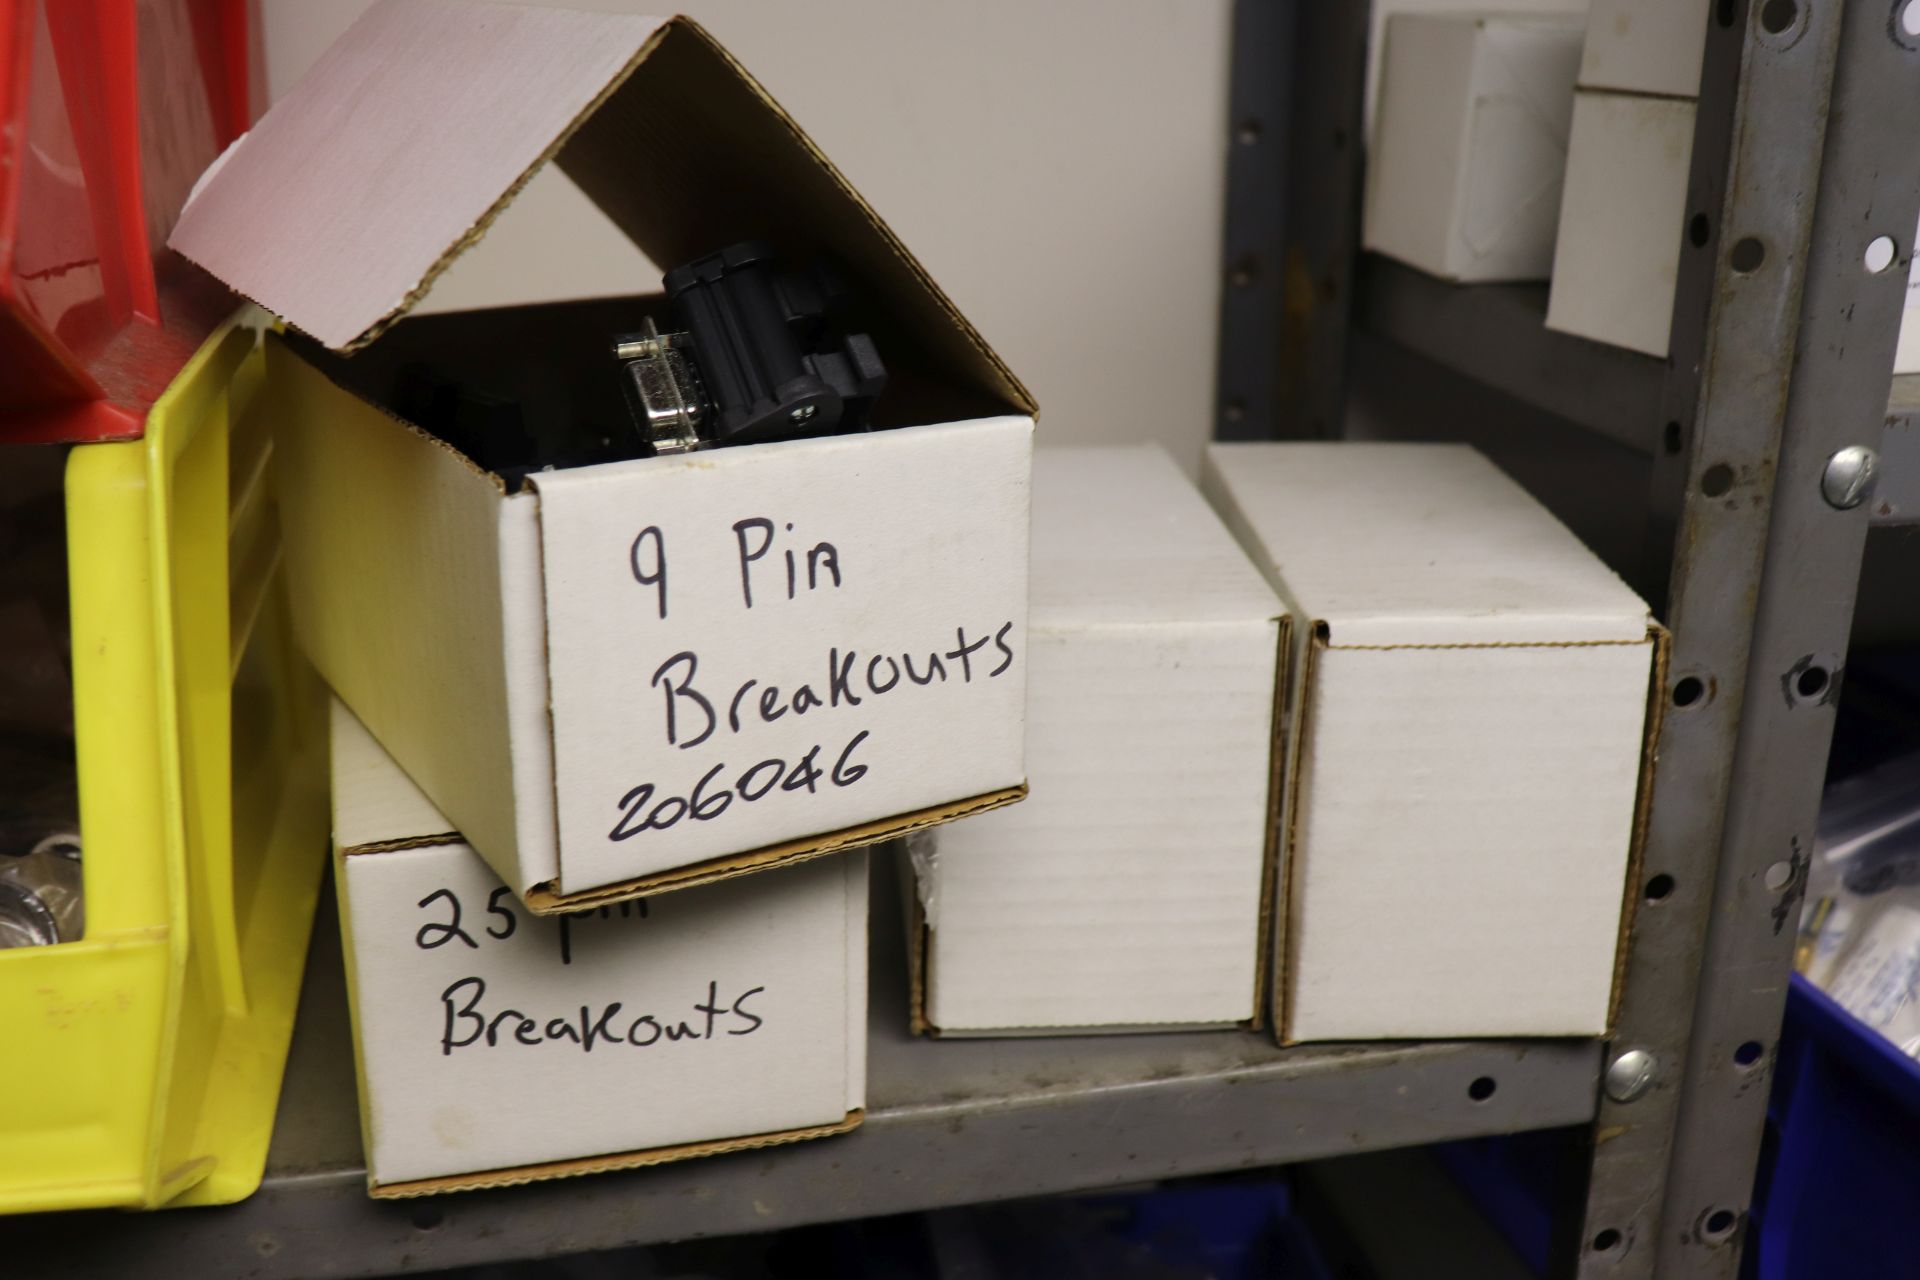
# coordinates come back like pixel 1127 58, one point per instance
pixel 1497 335
pixel 1778 373
pixel 950 1122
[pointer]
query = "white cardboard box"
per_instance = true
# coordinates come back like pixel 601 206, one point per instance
pixel 633 676
pixel 494 1046
pixel 1622 218
pixel 1384 12
pixel 1468 708
pixel 1127 892
pixel 1470 148
pixel 1645 46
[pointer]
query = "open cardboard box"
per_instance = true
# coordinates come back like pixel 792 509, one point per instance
pixel 638 675
pixel 488 1043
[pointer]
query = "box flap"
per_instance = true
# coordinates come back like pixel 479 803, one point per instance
pixel 375 804
pixel 1389 545
pixel 399 146
pixel 1642 815
pixel 1121 537
pixel 421 124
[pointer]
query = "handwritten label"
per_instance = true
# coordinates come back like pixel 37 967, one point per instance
pixel 468 1020
pixel 503 907
pixel 471 1021
pixel 492 1037
pixel 757 644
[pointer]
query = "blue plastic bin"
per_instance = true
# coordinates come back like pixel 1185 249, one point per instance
pixel 1840 1185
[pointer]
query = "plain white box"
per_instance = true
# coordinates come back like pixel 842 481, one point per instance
pixel 495 1046
pixel 596 726
pixel 1384 12
pixel 1465 738
pixel 1470 148
pixel 1645 46
pixel 1127 891
pixel 1622 218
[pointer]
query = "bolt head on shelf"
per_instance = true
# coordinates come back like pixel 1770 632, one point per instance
pixel 1848 479
pixel 1630 1075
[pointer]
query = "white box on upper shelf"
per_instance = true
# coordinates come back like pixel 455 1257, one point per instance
pixel 1467 711
pixel 1126 893
pixel 1470 148
pixel 496 1047
pixel 1384 12
pixel 1645 46
pixel 1622 218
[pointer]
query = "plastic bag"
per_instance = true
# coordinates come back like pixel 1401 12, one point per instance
pixel 1860 925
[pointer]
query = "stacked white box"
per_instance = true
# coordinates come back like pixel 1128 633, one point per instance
pixel 1464 177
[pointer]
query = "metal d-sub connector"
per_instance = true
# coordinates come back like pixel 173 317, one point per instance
pixel 662 389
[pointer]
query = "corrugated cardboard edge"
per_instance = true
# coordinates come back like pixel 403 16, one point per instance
pixel 920 937
pixel 411 842
pixel 543 900
pixel 919 955
pixel 1300 693
pixel 1079 1029
pixel 1642 813
pixel 1270 861
pixel 602 1164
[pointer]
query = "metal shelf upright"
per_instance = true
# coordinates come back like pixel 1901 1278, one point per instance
pixel 1802 156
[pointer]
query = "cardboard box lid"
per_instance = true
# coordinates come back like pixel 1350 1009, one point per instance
pixel 375 804
pixel 1419 545
pixel 420 125
pixel 1121 537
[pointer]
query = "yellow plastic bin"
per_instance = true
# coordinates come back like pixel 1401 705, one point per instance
pixel 140 1065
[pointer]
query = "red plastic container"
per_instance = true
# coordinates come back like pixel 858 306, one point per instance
pixel 109 110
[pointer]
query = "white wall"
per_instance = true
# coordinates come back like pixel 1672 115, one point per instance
pixel 1058 166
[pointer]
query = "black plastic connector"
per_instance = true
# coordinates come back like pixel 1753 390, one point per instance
pixel 760 358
